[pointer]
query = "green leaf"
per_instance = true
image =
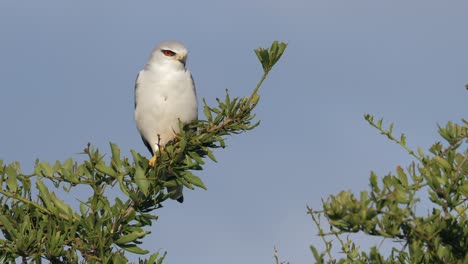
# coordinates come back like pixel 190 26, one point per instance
pixel 318 258
pixel 68 164
pixel 195 180
pixel 102 168
pixel 420 152
pixel 184 182
pixel 162 258
pixel 379 123
pixel 133 249
pixel 11 181
pixel 254 99
pixel 136 157
pixel 210 154
pixel 276 51
pixel 116 155
pixel 137 234
pixel 62 206
pixel 258 52
pixel 9 226
pixel 66 170
pixel 390 128
pixel 464 189
pixel 403 139
pixel 207 111
pixel 442 162
pixel 196 157
pixel 45 169
pixel 373 182
pixel 282 47
pixel 83 209
pixel 402 176
pixel 153 258
pixel 183 144
pixel 44 194
pixel 264 58
pixel 123 188
pixel 364 196
pixel 141 181
pixel 171 183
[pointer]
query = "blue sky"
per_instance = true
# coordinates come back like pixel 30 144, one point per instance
pixel 67 71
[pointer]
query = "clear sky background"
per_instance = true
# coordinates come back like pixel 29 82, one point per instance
pixel 67 71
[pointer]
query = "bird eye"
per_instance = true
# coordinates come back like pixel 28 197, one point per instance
pixel 168 53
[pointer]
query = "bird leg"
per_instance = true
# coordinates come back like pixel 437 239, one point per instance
pixel 153 160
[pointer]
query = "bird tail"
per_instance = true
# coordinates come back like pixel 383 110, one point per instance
pixel 178 195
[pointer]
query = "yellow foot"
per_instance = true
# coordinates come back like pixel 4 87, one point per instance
pixel 152 161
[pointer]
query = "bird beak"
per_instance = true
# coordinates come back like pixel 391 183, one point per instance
pixel 182 58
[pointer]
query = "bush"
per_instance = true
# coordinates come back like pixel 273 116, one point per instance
pixel 388 208
pixel 36 224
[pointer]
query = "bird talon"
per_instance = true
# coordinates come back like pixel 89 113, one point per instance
pixel 152 161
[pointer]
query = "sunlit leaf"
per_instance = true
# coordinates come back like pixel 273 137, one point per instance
pixel 141 180
pixel 133 249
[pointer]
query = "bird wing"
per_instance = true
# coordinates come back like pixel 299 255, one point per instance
pixel 136 87
pixel 147 144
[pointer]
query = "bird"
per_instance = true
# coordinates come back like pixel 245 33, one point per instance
pixel 164 94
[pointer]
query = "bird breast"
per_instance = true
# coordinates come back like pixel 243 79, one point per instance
pixel 162 98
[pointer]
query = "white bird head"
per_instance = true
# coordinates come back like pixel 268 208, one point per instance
pixel 171 53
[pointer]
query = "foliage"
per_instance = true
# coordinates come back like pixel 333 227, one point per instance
pixel 388 209
pixel 38 225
